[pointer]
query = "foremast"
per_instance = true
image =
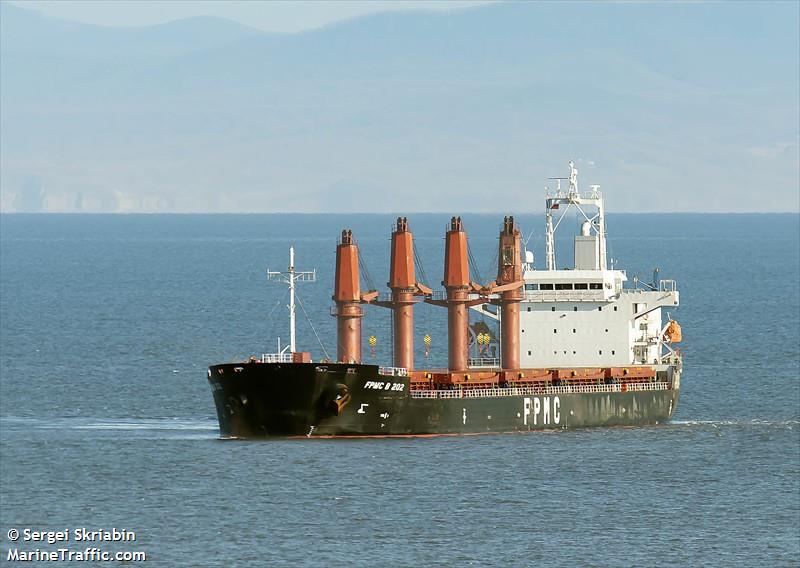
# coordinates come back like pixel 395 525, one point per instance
pixel 289 277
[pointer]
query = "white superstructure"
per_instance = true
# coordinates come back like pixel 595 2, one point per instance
pixel 583 316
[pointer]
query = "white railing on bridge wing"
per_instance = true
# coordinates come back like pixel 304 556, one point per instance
pixel 523 391
pixel 488 362
pixel 276 357
pixel 393 371
pixel 667 286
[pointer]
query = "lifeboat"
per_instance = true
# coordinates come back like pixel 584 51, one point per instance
pixel 673 333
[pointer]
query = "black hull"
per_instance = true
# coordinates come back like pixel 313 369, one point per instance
pixel 308 399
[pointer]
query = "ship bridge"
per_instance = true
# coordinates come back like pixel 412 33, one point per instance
pixel 573 285
pixel 584 316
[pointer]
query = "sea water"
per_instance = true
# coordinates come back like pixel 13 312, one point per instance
pixel 108 324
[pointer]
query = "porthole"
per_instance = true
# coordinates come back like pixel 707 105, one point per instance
pixel 575 308
pixel 553 309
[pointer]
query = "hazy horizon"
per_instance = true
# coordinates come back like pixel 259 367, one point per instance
pixel 407 110
pixel 275 16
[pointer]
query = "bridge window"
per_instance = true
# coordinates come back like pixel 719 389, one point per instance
pixel 575 308
pixel 563 286
pixel 553 309
pixel 531 286
pixel 595 285
pixel 545 286
pixel 581 286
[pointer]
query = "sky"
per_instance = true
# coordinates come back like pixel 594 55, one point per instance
pixel 273 16
pixel 137 106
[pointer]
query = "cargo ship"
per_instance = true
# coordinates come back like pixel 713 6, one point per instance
pixel 578 347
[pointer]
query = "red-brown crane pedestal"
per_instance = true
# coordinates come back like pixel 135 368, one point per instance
pixel 458 286
pixel 348 298
pixel 456 282
pixel 405 288
pixel 403 283
pixel 509 279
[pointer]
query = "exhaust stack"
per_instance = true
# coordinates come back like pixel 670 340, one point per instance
pixel 347 295
pixel 509 278
pixel 457 283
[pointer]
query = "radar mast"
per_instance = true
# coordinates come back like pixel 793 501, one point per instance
pixel 563 202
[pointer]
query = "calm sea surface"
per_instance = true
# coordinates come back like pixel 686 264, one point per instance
pixel 106 420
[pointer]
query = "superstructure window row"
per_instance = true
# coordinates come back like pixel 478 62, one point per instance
pixel 566 286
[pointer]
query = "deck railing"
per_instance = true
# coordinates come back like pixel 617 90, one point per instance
pixel 524 391
pixel 276 357
pixel 486 362
pixel 565 295
pixel 393 371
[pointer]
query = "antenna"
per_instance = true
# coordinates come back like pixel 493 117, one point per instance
pixel 573 178
pixel 290 277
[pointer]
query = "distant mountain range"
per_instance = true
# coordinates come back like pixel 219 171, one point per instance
pixel 670 107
